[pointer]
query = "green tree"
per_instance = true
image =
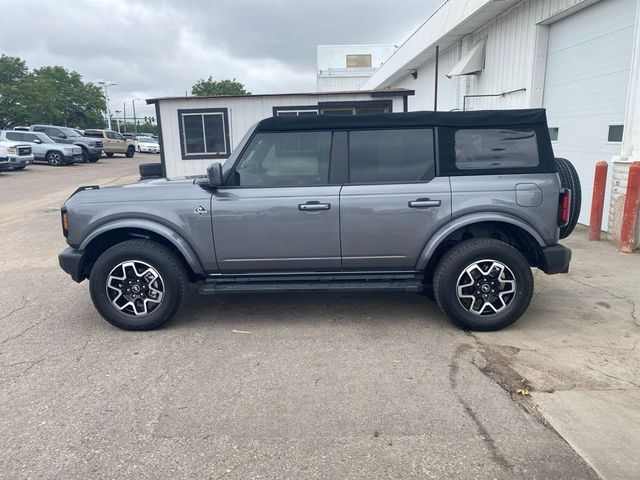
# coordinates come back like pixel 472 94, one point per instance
pixel 47 95
pixel 218 87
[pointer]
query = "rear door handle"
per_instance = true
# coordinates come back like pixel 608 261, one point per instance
pixel 424 203
pixel 314 206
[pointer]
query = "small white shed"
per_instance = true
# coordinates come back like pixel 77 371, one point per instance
pixel 194 131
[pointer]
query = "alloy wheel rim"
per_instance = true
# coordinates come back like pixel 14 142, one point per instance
pixel 486 287
pixel 55 158
pixel 135 288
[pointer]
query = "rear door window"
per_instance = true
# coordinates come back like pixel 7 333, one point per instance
pixel 495 148
pixel 389 156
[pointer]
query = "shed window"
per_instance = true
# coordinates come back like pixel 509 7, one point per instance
pixel 494 148
pixel 615 133
pixel 359 60
pixel 204 133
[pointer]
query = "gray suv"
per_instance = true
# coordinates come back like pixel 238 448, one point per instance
pixel 458 205
pixel 44 149
pixel 91 148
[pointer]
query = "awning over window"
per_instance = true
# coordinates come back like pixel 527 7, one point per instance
pixel 471 62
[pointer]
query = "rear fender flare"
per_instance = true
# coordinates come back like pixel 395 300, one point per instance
pixel 470 219
pixel 140 224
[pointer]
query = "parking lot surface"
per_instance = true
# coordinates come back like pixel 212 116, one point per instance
pixel 274 385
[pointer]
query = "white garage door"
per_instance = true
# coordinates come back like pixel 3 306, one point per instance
pixel 586 84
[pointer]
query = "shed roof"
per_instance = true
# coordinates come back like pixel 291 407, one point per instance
pixel 390 92
pixel 474 118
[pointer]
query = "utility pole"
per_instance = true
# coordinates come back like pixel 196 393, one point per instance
pixel 118 119
pixel 124 114
pixel 105 84
pixel 135 120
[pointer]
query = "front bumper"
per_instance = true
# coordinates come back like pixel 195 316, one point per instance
pixel 71 261
pixel 73 158
pixel 94 152
pixel 555 259
pixel 14 161
pixel 149 150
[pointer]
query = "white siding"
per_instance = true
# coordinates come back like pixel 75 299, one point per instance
pixel 424 85
pixel 243 113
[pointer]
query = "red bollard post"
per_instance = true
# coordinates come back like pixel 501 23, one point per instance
pixel 597 200
pixel 630 214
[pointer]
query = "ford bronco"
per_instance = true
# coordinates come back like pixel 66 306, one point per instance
pixel 458 205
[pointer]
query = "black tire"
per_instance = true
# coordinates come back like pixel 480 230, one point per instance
pixel 130 151
pixel 55 159
pixel 85 156
pixel 109 154
pixel 173 278
pixel 482 250
pixel 569 179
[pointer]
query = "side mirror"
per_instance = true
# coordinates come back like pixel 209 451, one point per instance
pixel 214 173
pixel 37 140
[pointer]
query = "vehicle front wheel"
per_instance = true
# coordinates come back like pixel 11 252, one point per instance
pixel 130 152
pixel 85 156
pixel 483 284
pixel 55 159
pixel 138 284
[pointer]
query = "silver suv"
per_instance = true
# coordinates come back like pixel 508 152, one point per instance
pixel 44 149
pixel 458 205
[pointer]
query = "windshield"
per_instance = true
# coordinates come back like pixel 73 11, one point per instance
pixel 146 140
pixel 70 132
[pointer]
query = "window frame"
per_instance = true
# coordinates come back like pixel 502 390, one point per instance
pixel 353 56
pixel 295 108
pixel 434 133
pixel 224 112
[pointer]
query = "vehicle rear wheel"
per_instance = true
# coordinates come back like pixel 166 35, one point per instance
pixel 138 284
pixel 130 151
pixel 55 159
pixel 569 179
pixel 109 154
pixel 483 284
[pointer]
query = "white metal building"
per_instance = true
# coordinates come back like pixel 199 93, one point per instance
pixel 194 131
pixel 348 67
pixel 577 58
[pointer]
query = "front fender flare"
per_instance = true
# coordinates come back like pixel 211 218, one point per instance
pixel 140 224
pixel 438 237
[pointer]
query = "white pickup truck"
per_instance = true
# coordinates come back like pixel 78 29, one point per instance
pixel 14 155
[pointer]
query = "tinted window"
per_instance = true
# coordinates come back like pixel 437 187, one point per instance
pixel 391 155
pixel 285 159
pixel 15 136
pixel 93 134
pixel 492 148
pixel 615 133
pixel 112 135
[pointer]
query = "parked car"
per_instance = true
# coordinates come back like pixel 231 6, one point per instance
pixel 112 142
pixel 462 204
pixel 91 148
pixel 147 145
pixel 44 149
pixel 14 155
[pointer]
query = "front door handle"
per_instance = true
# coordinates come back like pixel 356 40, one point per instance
pixel 314 206
pixel 424 203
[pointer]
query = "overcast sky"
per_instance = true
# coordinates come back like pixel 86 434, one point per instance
pixel 155 48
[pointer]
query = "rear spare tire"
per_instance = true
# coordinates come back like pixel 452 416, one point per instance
pixel 569 179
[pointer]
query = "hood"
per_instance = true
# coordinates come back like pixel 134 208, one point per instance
pixel 148 190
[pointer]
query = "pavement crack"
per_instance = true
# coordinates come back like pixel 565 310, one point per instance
pixel 486 436
pixel 17 309
pixel 623 298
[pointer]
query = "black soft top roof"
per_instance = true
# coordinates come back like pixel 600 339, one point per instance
pixel 477 118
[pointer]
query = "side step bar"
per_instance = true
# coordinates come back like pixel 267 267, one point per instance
pixel 321 283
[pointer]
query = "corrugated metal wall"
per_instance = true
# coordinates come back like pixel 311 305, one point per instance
pixel 509 61
pixel 243 113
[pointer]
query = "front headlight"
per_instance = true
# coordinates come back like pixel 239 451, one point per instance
pixel 12 150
